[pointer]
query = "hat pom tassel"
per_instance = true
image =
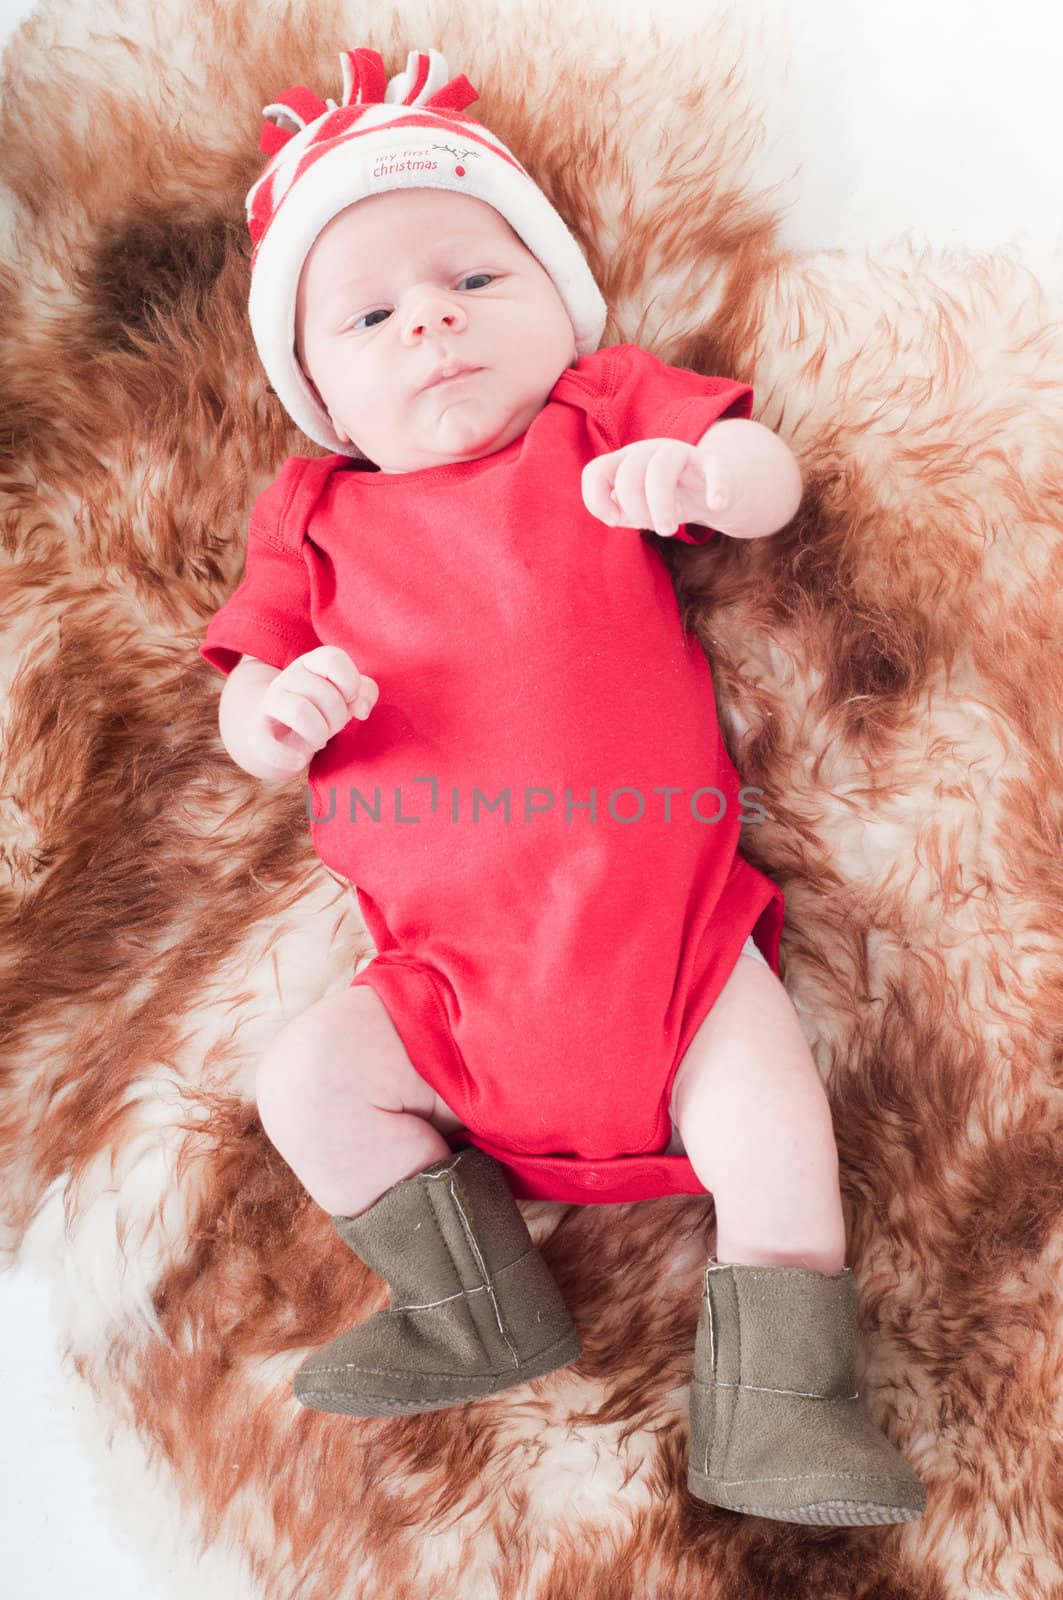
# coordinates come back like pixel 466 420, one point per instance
pixel 426 81
pixel 291 112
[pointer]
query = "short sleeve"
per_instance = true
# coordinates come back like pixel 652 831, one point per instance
pixel 646 398
pixel 268 614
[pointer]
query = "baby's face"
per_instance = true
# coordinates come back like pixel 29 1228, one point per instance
pixel 406 282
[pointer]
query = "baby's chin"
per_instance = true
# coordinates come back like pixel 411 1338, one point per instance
pixel 463 432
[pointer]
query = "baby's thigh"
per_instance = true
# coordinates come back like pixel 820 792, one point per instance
pixel 749 1066
pixel 345 1054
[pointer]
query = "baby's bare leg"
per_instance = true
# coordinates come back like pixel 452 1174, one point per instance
pixel 341 1101
pixel 755 1120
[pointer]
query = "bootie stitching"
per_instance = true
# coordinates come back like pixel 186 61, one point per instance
pixel 762 1388
pixel 445 1174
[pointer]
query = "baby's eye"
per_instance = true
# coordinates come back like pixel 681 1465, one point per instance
pixel 380 313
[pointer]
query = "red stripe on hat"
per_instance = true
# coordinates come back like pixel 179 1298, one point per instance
pixel 258 218
pixel 340 122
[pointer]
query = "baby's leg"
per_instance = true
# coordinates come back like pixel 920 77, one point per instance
pixel 756 1123
pixel 341 1101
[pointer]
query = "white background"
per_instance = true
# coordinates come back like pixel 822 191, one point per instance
pixel 937 118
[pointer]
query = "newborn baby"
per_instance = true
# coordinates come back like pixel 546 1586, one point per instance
pixel 461 620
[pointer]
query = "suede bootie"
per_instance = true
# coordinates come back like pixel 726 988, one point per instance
pixel 776 1425
pixel 473 1309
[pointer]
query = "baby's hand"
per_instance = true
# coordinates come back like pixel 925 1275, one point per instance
pixel 656 484
pixel 308 702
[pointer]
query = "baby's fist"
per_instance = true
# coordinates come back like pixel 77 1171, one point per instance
pixel 311 700
pixel 655 484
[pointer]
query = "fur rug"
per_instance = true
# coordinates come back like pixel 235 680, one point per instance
pixel 888 671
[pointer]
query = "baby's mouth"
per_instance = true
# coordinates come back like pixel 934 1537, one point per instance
pixel 448 376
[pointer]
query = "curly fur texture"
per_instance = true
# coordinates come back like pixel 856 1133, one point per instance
pixel 888 670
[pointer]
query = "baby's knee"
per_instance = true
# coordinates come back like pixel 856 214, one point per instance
pixel 747 1119
pixel 324 1064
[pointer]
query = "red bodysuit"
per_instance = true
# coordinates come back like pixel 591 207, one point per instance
pixel 539 815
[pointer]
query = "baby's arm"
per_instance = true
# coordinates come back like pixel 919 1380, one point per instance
pixel 272 720
pixel 239 716
pixel 752 481
pixel 739 478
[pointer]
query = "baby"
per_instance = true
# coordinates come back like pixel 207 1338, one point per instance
pixel 462 611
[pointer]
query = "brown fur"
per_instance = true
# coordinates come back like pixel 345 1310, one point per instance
pixel 888 670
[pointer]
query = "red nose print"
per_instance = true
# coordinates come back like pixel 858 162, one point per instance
pixel 460 171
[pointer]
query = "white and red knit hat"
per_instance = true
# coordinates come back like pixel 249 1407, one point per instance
pixel 404 133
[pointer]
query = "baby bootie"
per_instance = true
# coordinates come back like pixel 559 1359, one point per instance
pixel 776 1425
pixel 473 1310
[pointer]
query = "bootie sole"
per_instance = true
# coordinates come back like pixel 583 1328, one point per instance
pixel 819 1513
pixel 554 1356
pixel 822 1514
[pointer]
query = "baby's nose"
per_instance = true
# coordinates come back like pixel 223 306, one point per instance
pixel 431 312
